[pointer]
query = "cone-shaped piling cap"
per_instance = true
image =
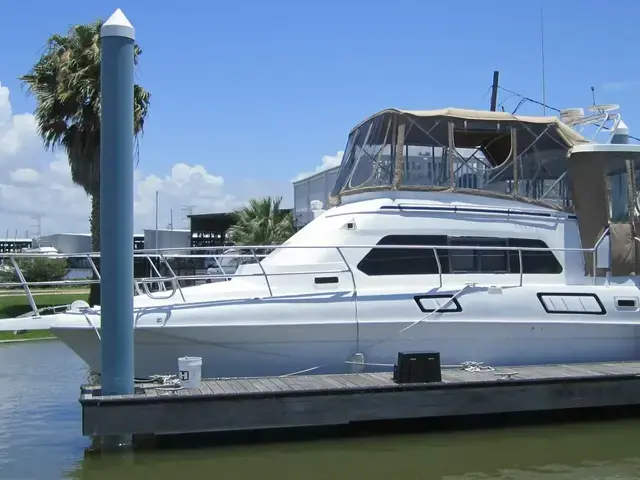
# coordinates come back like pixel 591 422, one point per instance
pixel 118 25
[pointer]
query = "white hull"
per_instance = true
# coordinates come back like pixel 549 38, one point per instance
pixel 519 333
pixel 310 306
pixel 524 343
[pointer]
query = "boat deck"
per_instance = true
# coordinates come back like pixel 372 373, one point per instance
pixel 230 404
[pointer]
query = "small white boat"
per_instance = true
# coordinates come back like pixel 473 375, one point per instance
pixel 484 236
pixel 41 248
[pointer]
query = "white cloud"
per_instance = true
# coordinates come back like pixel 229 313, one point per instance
pixel 36 184
pixel 328 161
pixel 24 175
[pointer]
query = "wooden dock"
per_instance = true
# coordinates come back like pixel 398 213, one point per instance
pixel 226 405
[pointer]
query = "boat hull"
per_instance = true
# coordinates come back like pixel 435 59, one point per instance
pixel 226 351
pixel 285 349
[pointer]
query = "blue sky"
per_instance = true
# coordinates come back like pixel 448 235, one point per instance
pixel 258 92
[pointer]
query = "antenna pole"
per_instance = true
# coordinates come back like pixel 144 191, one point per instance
pixel 494 90
pixel 156 221
pixel 593 95
pixel 544 89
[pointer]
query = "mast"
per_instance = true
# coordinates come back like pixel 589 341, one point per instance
pixel 544 89
pixel 494 90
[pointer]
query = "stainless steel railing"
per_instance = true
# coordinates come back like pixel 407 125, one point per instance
pixel 165 256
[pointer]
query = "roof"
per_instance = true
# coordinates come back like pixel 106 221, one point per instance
pixel 570 136
pixel 210 215
pixel 221 215
pixel 321 173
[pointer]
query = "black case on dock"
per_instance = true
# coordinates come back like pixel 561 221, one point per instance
pixel 417 367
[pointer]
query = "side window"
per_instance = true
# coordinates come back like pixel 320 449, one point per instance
pixel 533 261
pixel 405 261
pixel 478 260
pixel 413 261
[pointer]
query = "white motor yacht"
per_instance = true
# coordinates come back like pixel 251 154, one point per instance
pixel 485 236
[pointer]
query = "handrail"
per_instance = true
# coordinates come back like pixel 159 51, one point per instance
pixel 266 278
pixel 594 254
pixel 175 282
pixel 355 296
pixel 435 254
pixel 23 282
pixel 521 266
pixel 161 285
pixel 175 279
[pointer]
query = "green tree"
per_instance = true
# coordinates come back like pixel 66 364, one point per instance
pixel 36 269
pixel 65 82
pixel 261 222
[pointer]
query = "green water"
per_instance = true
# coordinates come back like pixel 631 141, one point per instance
pixel 40 439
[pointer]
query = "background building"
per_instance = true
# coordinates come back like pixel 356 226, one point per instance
pixel 168 239
pixel 68 243
pixel 314 187
pixel 76 243
pixel 14 245
pixel 210 229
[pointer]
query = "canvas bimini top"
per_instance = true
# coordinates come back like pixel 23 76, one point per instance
pixel 479 152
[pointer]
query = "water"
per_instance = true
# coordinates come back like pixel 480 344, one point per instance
pixel 40 440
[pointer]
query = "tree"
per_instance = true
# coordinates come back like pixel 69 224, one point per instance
pixel 36 269
pixel 261 222
pixel 65 82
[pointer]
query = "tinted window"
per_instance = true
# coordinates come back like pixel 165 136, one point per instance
pixel 533 262
pixel 478 260
pixel 405 261
pixel 412 261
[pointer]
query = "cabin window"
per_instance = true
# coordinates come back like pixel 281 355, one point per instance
pixel 543 262
pixel 470 260
pixel 405 261
pixel 413 261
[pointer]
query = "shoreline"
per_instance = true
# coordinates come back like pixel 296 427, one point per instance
pixel 22 340
pixel 21 293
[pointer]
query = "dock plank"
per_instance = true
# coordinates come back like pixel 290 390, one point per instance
pixel 277 381
pixel 205 389
pixel 214 387
pixel 267 382
pixel 226 386
pixel 248 386
pixel 238 387
pixel 291 383
pixel 383 378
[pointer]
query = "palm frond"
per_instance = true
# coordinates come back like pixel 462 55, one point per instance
pixel 65 82
pixel 261 222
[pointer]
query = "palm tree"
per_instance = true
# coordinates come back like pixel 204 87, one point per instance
pixel 65 82
pixel 261 222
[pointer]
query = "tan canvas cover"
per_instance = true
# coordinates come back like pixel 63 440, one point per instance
pixel 570 136
pixel 625 249
pixel 590 200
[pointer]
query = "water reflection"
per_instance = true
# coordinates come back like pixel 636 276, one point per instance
pixel 571 452
pixel 39 414
pixel 40 438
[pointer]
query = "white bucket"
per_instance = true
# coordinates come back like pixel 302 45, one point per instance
pixel 190 371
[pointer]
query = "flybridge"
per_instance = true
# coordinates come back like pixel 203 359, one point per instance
pixel 493 154
pixel 485 153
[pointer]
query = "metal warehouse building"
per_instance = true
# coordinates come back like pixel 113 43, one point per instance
pixel 314 187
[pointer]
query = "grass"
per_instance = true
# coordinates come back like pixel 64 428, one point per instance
pixel 61 289
pixel 15 305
